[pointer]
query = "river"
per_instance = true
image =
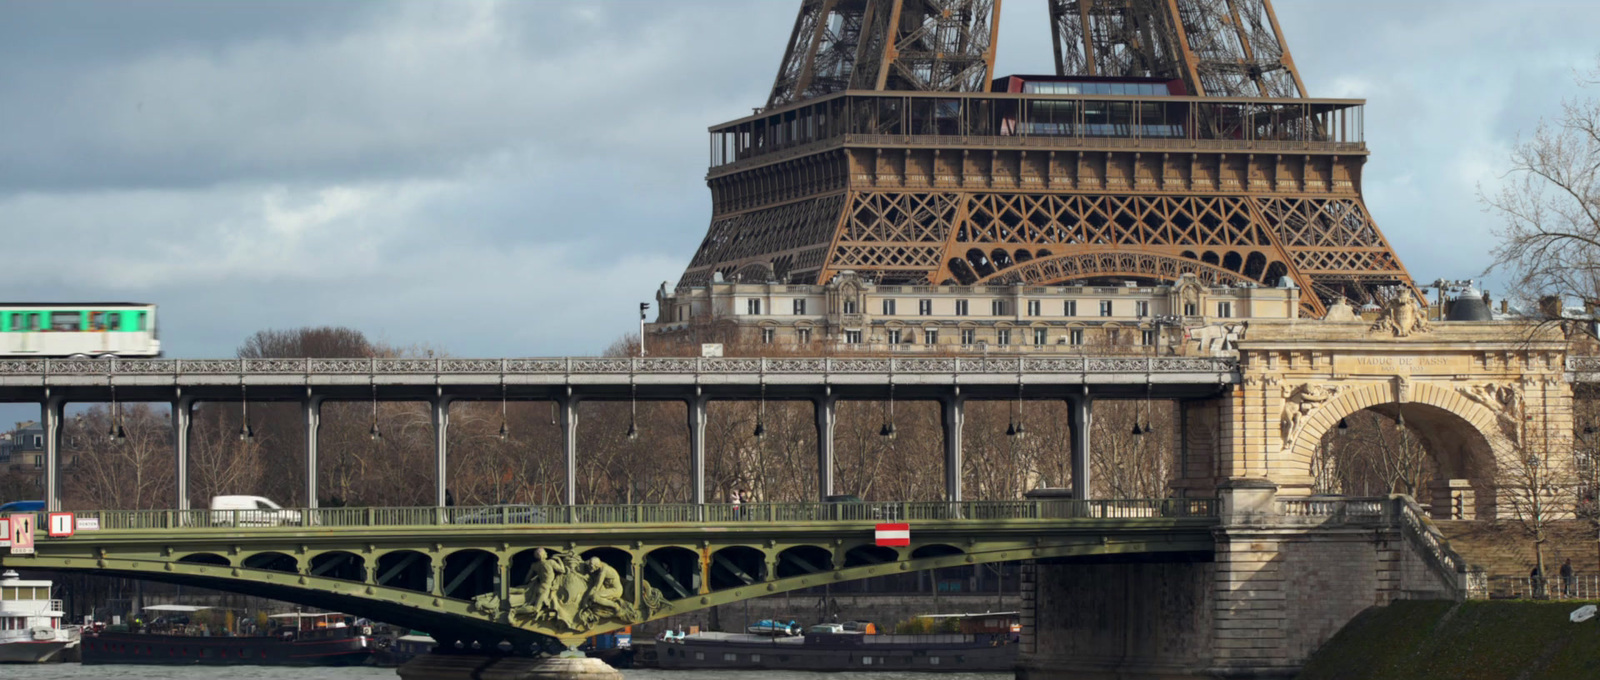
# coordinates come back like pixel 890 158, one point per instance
pixel 72 671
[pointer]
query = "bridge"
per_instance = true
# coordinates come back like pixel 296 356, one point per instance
pixel 952 381
pixel 463 573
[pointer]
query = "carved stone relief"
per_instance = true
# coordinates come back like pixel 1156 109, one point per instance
pixel 1299 401
pixel 1401 317
pixel 1504 401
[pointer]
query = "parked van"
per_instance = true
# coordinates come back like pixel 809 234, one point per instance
pixel 250 511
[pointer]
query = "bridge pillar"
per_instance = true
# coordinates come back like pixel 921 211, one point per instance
pixel 312 407
pixel 51 412
pixel 697 447
pixel 827 412
pixel 955 416
pixel 441 449
pixel 569 447
pixel 1081 417
pixel 182 418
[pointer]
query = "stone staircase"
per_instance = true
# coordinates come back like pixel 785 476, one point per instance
pixel 1501 549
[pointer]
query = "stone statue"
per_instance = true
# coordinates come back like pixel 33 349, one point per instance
pixel 567 594
pixel 1300 401
pixel 1401 317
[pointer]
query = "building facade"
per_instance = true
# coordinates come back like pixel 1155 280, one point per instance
pixel 853 313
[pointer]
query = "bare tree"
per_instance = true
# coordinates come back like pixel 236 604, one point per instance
pixel 1550 207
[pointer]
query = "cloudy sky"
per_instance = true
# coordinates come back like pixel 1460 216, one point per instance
pixel 511 179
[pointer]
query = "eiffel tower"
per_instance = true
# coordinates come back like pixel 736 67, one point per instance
pixel 1174 136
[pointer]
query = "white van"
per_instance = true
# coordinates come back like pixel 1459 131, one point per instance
pixel 250 511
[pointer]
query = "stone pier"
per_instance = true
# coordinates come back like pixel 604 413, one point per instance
pixel 1285 576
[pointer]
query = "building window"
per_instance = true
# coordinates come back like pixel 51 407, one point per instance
pixel 968 336
pixel 1069 308
pixel 1141 309
pixel 1191 309
pixel 850 306
pixel 852 337
pixel 799 307
pixel 1075 336
pixel 930 337
pixel 38 462
pixel 1002 337
pixel 961 307
pixel 1041 336
pixel 752 306
pixel 1105 308
pixel 894 336
pixel 38 441
pixel 1148 338
pixel 766 336
pixel 925 307
pixel 802 336
pixel 1224 309
pixel 997 308
pixel 681 312
pixel 1034 307
pixel 888 307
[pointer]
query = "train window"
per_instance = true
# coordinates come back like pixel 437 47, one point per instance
pixel 97 321
pixel 16 321
pixel 66 321
pixel 33 321
pixel 140 322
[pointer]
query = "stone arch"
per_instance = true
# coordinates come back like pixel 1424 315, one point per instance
pixel 1436 410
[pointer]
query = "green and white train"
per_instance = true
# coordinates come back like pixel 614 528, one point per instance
pixel 78 329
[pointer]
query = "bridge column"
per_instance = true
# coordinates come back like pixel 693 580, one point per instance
pixel 569 447
pixel 50 415
pixel 827 412
pixel 441 428
pixel 312 407
pixel 182 418
pixel 697 447
pixel 1081 417
pixel 955 416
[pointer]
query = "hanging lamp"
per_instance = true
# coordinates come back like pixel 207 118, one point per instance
pixel 246 433
pixel 374 433
pixel 633 410
pixel 503 430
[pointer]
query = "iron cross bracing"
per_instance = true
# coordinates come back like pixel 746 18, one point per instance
pixel 1174 136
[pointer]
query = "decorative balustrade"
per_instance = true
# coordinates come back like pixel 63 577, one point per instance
pixel 606 365
pixel 683 513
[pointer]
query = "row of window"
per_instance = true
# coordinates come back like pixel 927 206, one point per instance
pixel 1141 308
pixel 72 321
pixel 969 336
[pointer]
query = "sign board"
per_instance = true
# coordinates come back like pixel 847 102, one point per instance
pixel 60 525
pixel 893 535
pixel 88 524
pixel 711 349
pixel 22 533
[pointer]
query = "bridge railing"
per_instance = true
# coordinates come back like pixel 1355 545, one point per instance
pixel 681 513
pixel 618 365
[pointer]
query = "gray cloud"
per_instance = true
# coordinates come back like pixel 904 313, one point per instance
pixel 509 179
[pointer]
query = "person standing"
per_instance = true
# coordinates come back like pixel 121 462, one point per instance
pixel 1566 578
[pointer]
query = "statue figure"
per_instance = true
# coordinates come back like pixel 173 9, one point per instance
pixel 1300 401
pixel 568 594
pixel 542 583
pixel 1502 400
pixel 1402 316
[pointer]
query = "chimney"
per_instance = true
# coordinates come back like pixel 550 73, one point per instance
pixel 1505 307
pixel 1550 307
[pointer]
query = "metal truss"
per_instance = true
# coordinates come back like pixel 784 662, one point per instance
pixel 922 45
pixel 1230 48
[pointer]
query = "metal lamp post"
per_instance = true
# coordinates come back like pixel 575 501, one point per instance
pixel 643 308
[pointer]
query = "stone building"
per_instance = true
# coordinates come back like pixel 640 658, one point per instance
pixel 853 313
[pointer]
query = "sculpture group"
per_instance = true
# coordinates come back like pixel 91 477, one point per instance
pixel 568 594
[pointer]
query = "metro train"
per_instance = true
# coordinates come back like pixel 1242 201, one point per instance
pixel 78 329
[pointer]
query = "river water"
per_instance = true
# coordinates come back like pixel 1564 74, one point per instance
pixel 72 671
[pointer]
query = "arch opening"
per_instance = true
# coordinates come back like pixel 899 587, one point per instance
pixel 273 561
pixel 673 571
pixel 804 559
pixel 339 564
pixel 469 573
pixel 736 566
pixel 407 569
pixel 205 558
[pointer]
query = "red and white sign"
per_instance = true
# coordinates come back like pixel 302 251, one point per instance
pixel 60 524
pixel 22 533
pixel 893 535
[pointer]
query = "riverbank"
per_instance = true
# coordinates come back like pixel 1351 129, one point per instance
pixel 1475 640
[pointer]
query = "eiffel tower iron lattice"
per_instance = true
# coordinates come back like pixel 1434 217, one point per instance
pixel 1174 137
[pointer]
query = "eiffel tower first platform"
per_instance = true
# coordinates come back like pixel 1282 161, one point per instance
pixel 1174 136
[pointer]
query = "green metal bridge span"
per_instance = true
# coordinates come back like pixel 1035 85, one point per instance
pixel 473 575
